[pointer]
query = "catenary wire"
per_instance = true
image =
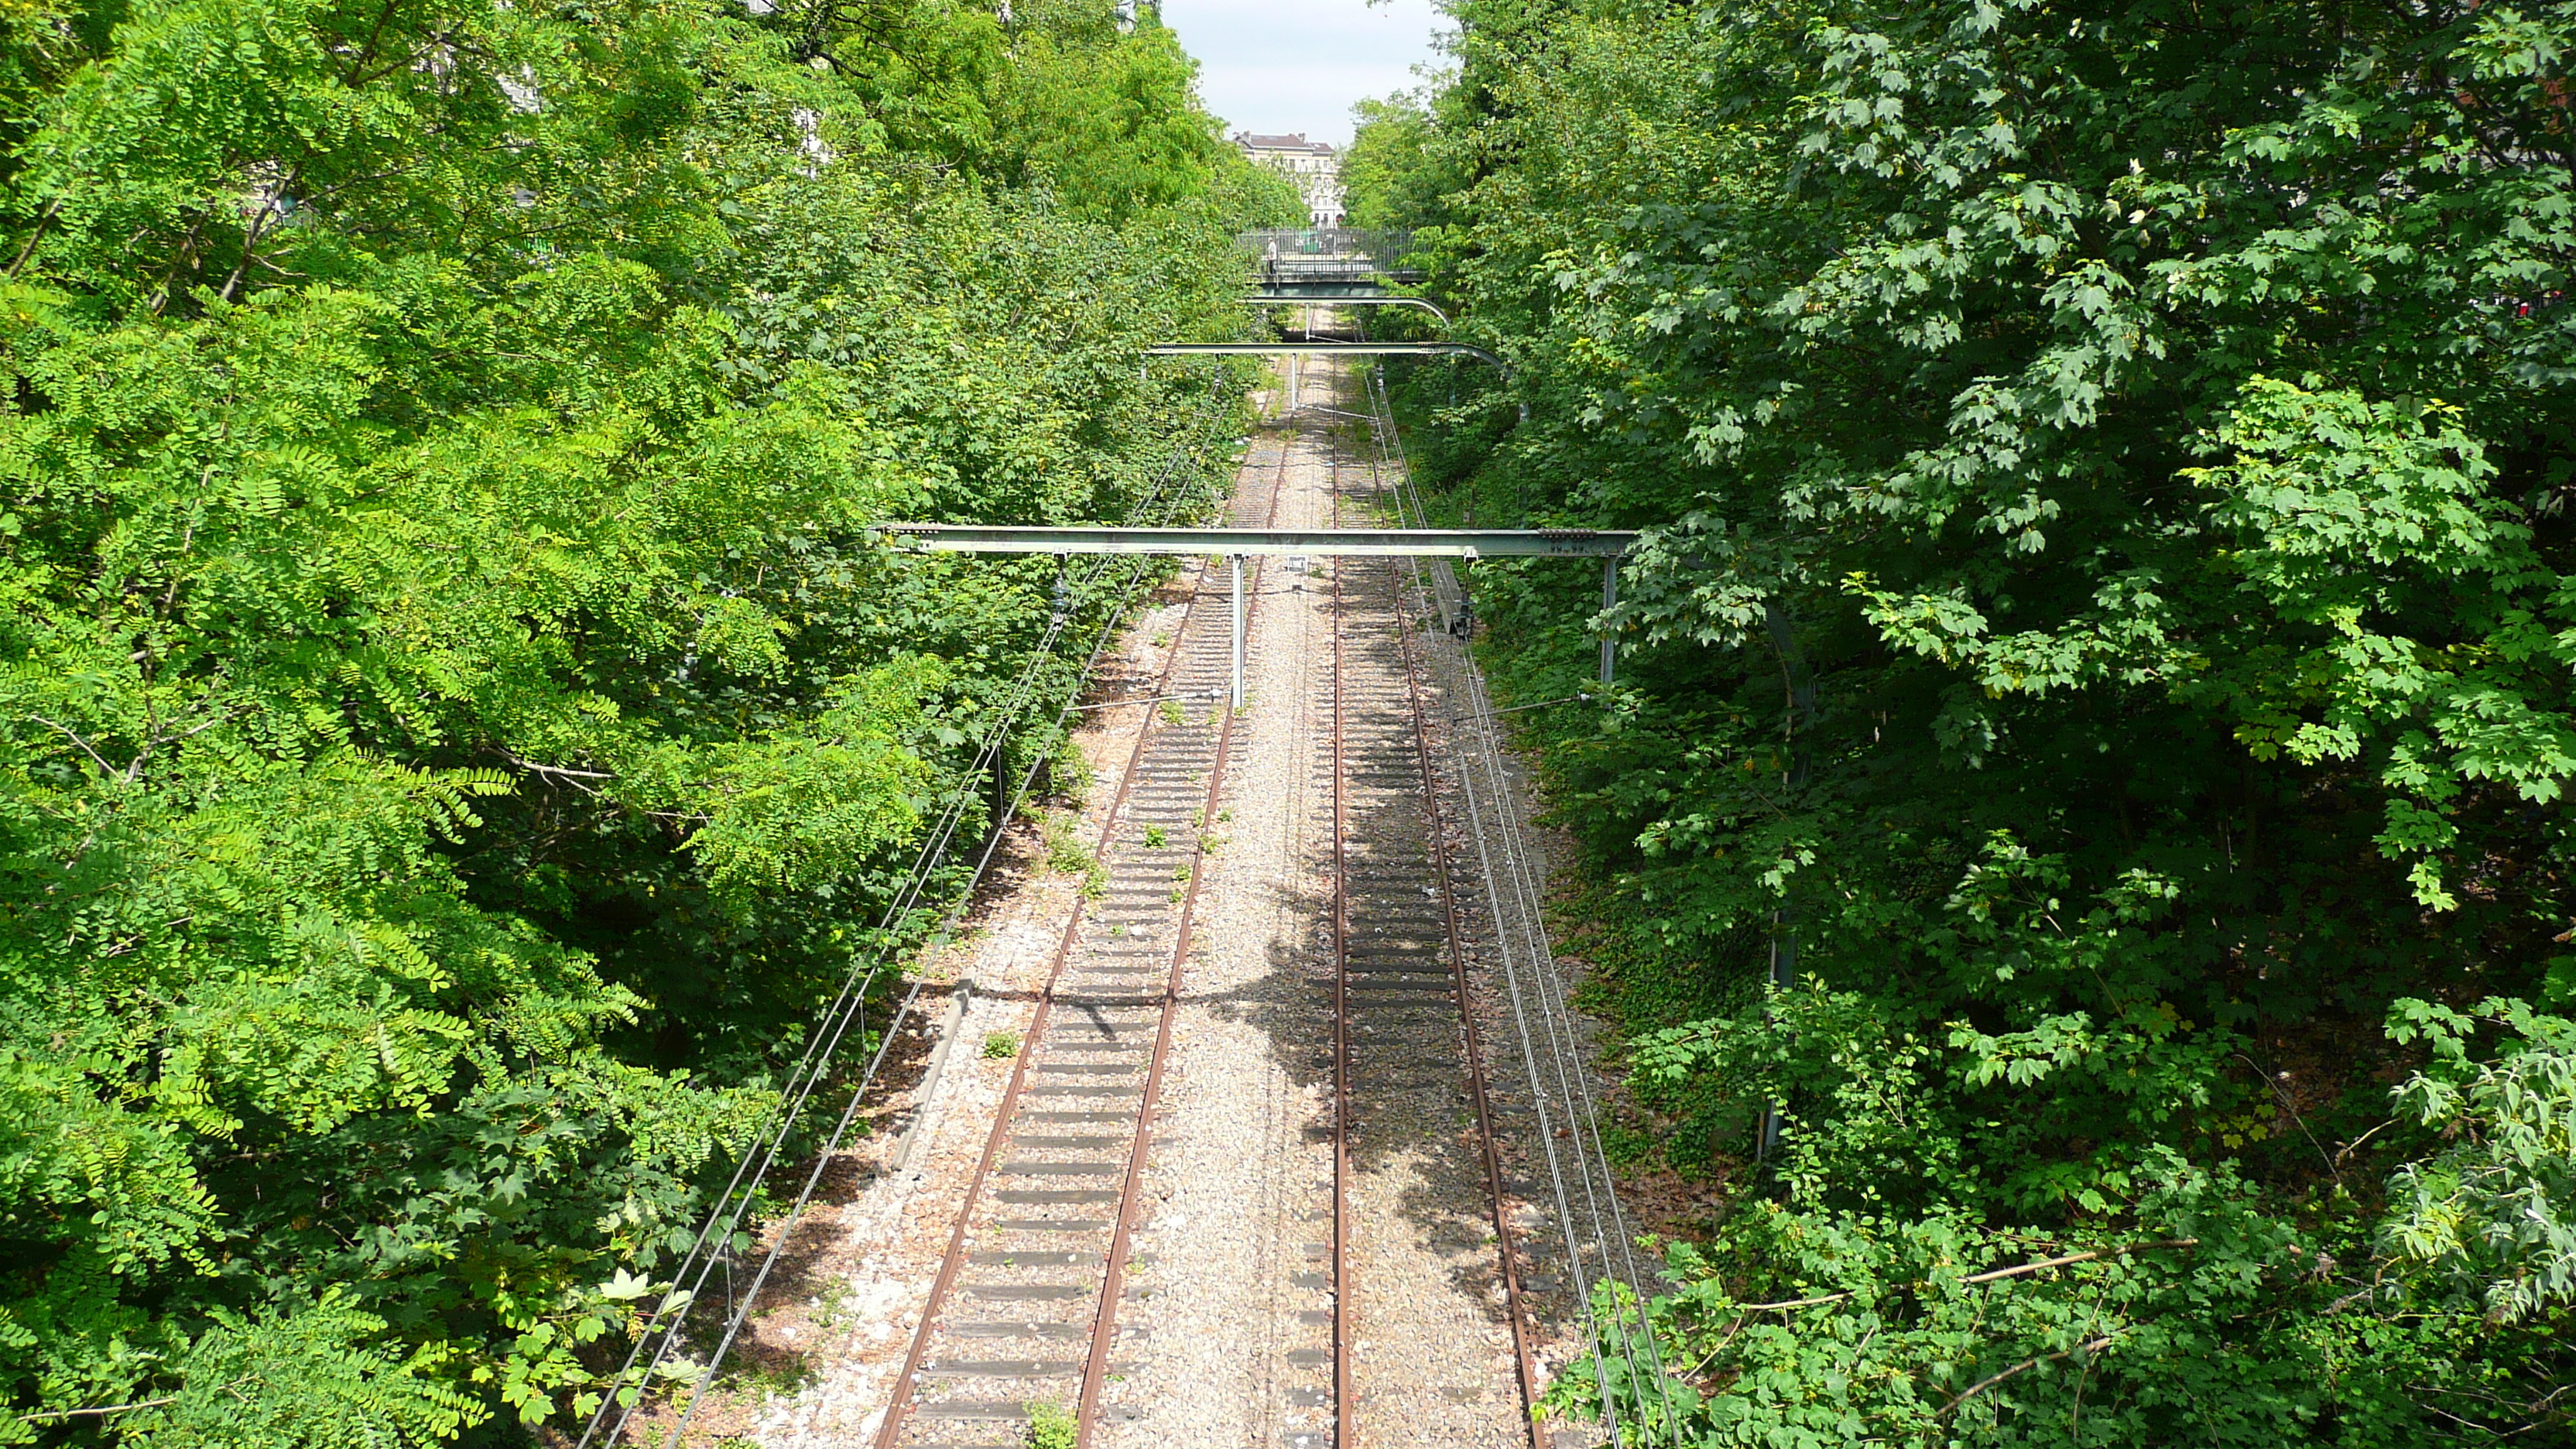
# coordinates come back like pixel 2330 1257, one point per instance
pixel 787 1222
pixel 1560 1015
pixel 662 1326
pixel 1556 1022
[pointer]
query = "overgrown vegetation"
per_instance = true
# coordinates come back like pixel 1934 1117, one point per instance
pixel 1051 1426
pixel 2109 611
pixel 454 723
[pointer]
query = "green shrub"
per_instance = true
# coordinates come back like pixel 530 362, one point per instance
pixel 1050 1427
pixel 1064 848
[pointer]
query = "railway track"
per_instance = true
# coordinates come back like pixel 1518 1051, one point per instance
pixel 1406 1048
pixel 1369 1337
pixel 1024 1310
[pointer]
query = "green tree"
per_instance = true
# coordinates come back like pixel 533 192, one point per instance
pixel 2105 606
pixel 1391 174
pixel 455 725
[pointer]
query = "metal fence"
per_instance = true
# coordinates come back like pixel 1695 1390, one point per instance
pixel 1318 269
pixel 1321 242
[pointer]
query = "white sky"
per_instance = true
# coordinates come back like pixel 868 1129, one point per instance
pixel 1282 66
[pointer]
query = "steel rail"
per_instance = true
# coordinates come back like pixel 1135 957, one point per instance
pixel 1562 1045
pixel 1505 1239
pixel 1555 1040
pixel 666 1320
pixel 1344 1305
pixel 1503 935
pixel 1507 1249
pixel 1555 1016
pixel 849 1113
pixel 1095 1371
pixel 954 1260
pixel 1582 1113
pixel 1343 1437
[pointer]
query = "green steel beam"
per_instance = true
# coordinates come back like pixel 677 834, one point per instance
pixel 1236 542
pixel 1334 269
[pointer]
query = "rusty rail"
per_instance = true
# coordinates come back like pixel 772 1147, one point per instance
pixel 1104 1329
pixel 1523 1353
pixel 903 1396
pixel 955 1258
pixel 1503 1237
pixel 1343 1435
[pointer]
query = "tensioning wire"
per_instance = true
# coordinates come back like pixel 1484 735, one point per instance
pixel 1556 1013
pixel 733 1204
pixel 1556 1025
pixel 787 1222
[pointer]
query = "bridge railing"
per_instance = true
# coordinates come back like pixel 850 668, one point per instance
pixel 1321 242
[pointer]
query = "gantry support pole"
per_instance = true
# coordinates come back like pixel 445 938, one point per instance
pixel 1237 561
pixel 1609 601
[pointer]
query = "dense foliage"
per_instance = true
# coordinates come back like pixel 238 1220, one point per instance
pixel 2106 637
pixel 453 721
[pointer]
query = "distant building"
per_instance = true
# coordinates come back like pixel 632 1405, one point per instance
pixel 1314 166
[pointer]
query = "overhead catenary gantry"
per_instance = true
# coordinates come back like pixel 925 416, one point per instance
pixel 1236 544
pixel 1241 542
pixel 1284 290
pixel 1341 294
pixel 1295 271
pixel 1325 349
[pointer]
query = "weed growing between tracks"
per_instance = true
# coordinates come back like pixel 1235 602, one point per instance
pixel 1051 1426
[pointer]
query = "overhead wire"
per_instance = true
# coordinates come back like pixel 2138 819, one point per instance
pixel 740 1315
pixel 1555 1007
pixel 847 1009
pixel 1556 1025
pixel 1539 1100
